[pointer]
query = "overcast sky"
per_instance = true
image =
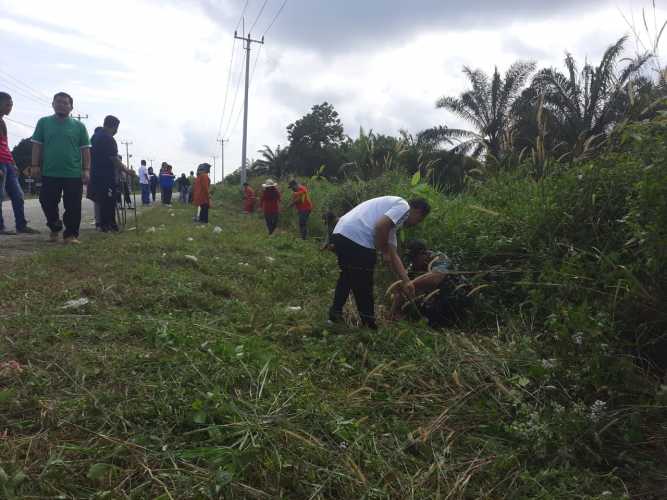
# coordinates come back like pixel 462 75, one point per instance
pixel 162 66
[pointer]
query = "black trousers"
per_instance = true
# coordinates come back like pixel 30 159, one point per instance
pixel 166 196
pixel 70 190
pixel 203 213
pixel 153 191
pixel 271 222
pixel 357 264
pixel 107 199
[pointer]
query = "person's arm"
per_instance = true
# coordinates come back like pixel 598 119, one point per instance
pixel 85 161
pixel 390 255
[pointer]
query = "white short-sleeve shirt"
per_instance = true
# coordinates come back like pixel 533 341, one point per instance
pixel 359 223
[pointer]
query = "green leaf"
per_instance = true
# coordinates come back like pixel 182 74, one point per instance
pixel 199 417
pixel 416 178
pixel 98 471
pixel 6 395
pixel 3 476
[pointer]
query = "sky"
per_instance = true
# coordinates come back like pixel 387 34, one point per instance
pixel 170 69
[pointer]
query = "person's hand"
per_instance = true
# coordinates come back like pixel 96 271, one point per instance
pixel 409 289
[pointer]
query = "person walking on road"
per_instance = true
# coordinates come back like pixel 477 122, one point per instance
pixel 145 183
pixel 301 200
pixel 370 227
pixel 9 176
pixel 61 148
pixel 154 181
pixel 167 184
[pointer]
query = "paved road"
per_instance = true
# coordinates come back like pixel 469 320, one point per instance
pixel 18 245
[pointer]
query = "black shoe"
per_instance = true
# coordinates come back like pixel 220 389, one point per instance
pixel 27 230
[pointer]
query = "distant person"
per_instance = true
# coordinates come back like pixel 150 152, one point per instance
pixel 62 147
pixel 370 227
pixel 201 194
pixel 145 183
pixel 154 181
pixel 301 201
pixel 9 176
pixel 191 180
pixel 330 220
pixel 270 203
pixel 105 164
pixel 167 184
pixel 248 198
pixel 183 187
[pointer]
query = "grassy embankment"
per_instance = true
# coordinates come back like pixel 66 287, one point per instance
pixel 184 379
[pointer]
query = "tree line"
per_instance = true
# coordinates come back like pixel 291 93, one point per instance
pixel 540 120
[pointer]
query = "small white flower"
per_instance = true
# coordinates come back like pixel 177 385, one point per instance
pixel 270 259
pixel 191 239
pixel 578 338
pixel 597 410
pixel 192 258
pixel 217 230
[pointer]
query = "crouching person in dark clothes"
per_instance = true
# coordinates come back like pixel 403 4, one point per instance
pixel 442 294
pixel 369 227
pixel 105 167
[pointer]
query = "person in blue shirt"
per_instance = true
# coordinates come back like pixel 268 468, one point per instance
pixel 167 179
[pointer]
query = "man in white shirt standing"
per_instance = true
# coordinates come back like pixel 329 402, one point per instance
pixel 145 183
pixel 370 227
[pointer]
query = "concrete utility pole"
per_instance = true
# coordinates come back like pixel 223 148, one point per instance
pixel 127 152
pixel 248 42
pixel 150 160
pixel 222 157
pixel 214 157
pixel 80 117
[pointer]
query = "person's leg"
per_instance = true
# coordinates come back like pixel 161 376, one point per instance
pixel 203 213
pixel 153 192
pixel 15 194
pixel 107 208
pixel 345 255
pixel 361 283
pixel 3 177
pixel 271 222
pixel 49 198
pixel 98 211
pixel 303 224
pixel 72 192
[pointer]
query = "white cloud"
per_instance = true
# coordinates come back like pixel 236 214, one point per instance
pixel 162 67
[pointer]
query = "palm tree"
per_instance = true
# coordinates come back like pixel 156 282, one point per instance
pixel 487 107
pixel 584 105
pixel 273 162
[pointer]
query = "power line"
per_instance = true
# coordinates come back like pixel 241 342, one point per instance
pixel 14 88
pixel 229 73
pixel 236 94
pixel 258 16
pixel 275 17
pixel 38 94
pixel 18 122
pixel 252 75
pixel 229 79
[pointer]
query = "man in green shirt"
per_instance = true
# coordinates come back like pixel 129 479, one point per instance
pixel 60 145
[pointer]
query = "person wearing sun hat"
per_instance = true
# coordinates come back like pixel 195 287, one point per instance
pixel 270 203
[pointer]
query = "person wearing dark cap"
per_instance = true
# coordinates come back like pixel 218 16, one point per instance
pixel 368 228
pixel 105 167
pixel 301 200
